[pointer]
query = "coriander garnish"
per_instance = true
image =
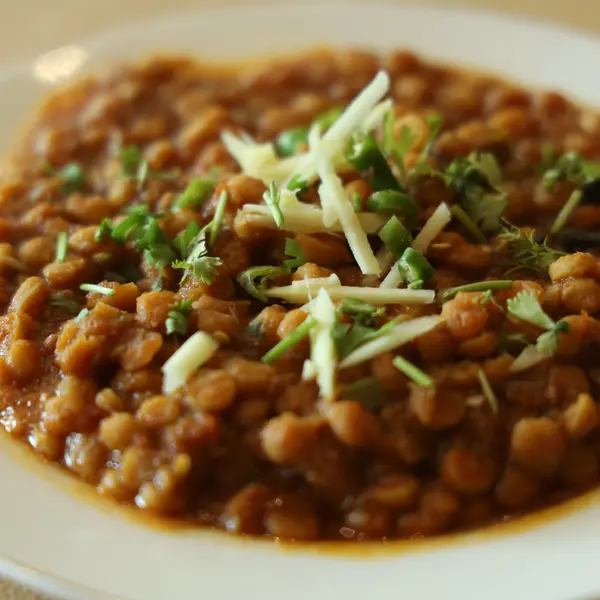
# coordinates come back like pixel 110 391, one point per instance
pixel 413 372
pixel 465 220
pixel 184 240
pixel 488 391
pixel 565 212
pixel 297 184
pixel 348 337
pixel 289 341
pixel 397 149
pixel 72 175
pixel 135 166
pixel 361 312
pixel 526 307
pixel 290 140
pixel 570 166
pixel 368 391
pixel 272 198
pixel 195 194
pixel 478 286
pixel 177 319
pixel 104 230
pixel 255 328
pixel 216 224
pixel 364 154
pixel 294 249
pixel 61 247
pixel 96 289
pixel 82 314
pixel 477 180
pixel 255 279
pixel 61 301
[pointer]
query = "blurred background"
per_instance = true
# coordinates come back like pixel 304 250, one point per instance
pixel 43 24
pixel 28 27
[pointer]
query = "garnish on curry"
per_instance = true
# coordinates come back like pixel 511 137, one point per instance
pixel 337 296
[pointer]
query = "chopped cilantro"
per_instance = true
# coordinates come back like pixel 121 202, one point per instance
pixel 62 242
pixel 478 286
pixel 367 391
pixel 61 301
pixel 289 341
pixel 294 249
pixel 104 230
pixel 82 314
pixel 255 328
pixel 488 390
pixel 72 175
pixel 297 184
pixel 177 319
pixel 477 180
pixel 413 372
pixel 197 261
pixel 195 194
pixel 135 166
pixel 526 306
pixel 569 167
pixel 255 279
pixel 184 240
pixel 97 289
pixel 566 211
pixel 272 198
pixel 361 312
pixel 216 224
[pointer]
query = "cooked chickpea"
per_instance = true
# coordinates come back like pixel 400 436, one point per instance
pixel 284 438
pixel 352 423
pixel 211 390
pixel 467 472
pixel 538 445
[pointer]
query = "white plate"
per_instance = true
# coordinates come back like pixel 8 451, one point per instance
pixel 54 540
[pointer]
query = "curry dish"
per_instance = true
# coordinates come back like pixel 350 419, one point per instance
pixel 339 296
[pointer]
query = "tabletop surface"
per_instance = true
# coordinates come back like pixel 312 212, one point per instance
pixel 44 25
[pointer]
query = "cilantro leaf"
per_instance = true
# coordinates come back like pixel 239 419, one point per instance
pixel 367 391
pixel 361 312
pixel 197 262
pixel 183 241
pixel 297 184
pixel 477 179
pixel 156 249
pixel 61 301
pixel 135 166
pixel 272 198
pixel 177 320
pixel 255 279
pixel 195 194
pixel 72 175
pixel 294 249
pixel 104 230
pixel 526 307
pixel 203 268
pixel 572 167
pixel 547 343
pixel 215 226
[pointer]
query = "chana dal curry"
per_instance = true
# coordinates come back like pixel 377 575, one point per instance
pixel 336 296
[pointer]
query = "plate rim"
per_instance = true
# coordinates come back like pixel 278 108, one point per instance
pixel 48 582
